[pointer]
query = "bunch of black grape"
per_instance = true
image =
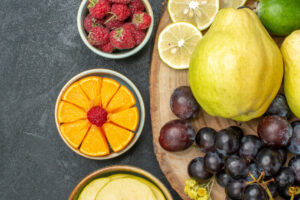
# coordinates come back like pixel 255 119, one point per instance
pixel 251 167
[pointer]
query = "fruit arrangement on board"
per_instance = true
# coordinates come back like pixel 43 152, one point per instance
pixel 116 24
pixel 236 71
pixel 96 114
pixel 121 186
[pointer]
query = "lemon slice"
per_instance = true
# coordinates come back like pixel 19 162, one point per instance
pixel 201 13
pixel 232 3
pixel 176 44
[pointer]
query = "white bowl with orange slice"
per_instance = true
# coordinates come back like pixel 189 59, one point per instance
pixel 99 114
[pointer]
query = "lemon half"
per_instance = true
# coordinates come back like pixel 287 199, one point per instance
pixel 176 44
pixel 201 13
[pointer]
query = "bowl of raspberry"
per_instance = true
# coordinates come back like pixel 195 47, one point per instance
pixel 115 28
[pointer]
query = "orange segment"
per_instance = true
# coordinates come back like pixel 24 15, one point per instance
pixel 94 144
pixel 128 119
pixel 109 88
pixel 67 112
pixel 74 132
pixel 122 100
pixel 117 137
pixel 75 95
pixel 92 87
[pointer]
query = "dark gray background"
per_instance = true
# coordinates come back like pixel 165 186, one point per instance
pixel 40 51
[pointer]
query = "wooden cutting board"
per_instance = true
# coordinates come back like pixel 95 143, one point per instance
pixel 163 80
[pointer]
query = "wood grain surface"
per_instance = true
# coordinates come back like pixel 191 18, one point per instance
pixel 163 80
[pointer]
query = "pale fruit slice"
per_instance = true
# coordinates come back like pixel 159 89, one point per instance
pixel 74 132
pixel 117 176
pixel 201 13
pixel 94 144
pixel 232 3
pixel 117 137
pixel 157 192
pixel 90 191
pixel 128 119
pixel 74 94
pixel 176 44
pixel 92 87
pixel 67 112
pixel 125 189
pixel 109 88
pixel 123 99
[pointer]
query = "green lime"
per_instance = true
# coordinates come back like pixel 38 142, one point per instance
pixel 280 17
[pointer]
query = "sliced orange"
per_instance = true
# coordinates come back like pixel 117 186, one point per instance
pixel 117 137
pixel 74 132
pixel 74 94
pixel 92 87
pixel 123 99
pixel 67 112
pixel 109 89
pixel 128 119
pixel 94 144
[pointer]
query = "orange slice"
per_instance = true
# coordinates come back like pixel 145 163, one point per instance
pixel 128 119
pixel 92 87
pixel 94 144
pixel 117 137
pixel 74 132
pixel 109 88
pixel 123 99
pixel 74 94
pixel 67 112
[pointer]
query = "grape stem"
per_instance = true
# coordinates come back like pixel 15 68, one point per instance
pixel 294 191
pixel 262 183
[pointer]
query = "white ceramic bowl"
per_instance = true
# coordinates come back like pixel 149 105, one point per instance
pixel 123 81
pixel 82 12
pixel 123 169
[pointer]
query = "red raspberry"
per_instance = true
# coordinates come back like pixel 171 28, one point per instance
pixel 99 8
pixel 121 11
pixel 142 20
pixel 120 1
pixel 97 116
pixel 108 48
pixel 122 39
pixel 138 35
pixel 90 22
pixel 98 36
pixel 112 23
pixel 136 6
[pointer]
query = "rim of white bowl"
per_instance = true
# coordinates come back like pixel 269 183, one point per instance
pixel 80 17
pixel 132 86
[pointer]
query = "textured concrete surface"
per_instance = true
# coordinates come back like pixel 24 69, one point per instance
pixel 40 51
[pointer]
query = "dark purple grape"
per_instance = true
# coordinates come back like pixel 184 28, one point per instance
pixel 197 170
pixel 213 162
pixel 227 142
pixel 238 131
pixel 235 189
pixel 183 104
pixel 285 177
pixel 279 107
pixel 294 146
pixel 255 172
pixel 205 139
pixel 176 135
pixel 269 160
pixel 275 131
pixel 223 179
pixel 284 193
pixel 283 155
pixel 250 146
pixel 254 192
pixel 273 189
pixel 237 167
pixel 294 164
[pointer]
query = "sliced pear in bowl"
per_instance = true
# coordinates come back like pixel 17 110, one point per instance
pixel 90 191
pixel 125 188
